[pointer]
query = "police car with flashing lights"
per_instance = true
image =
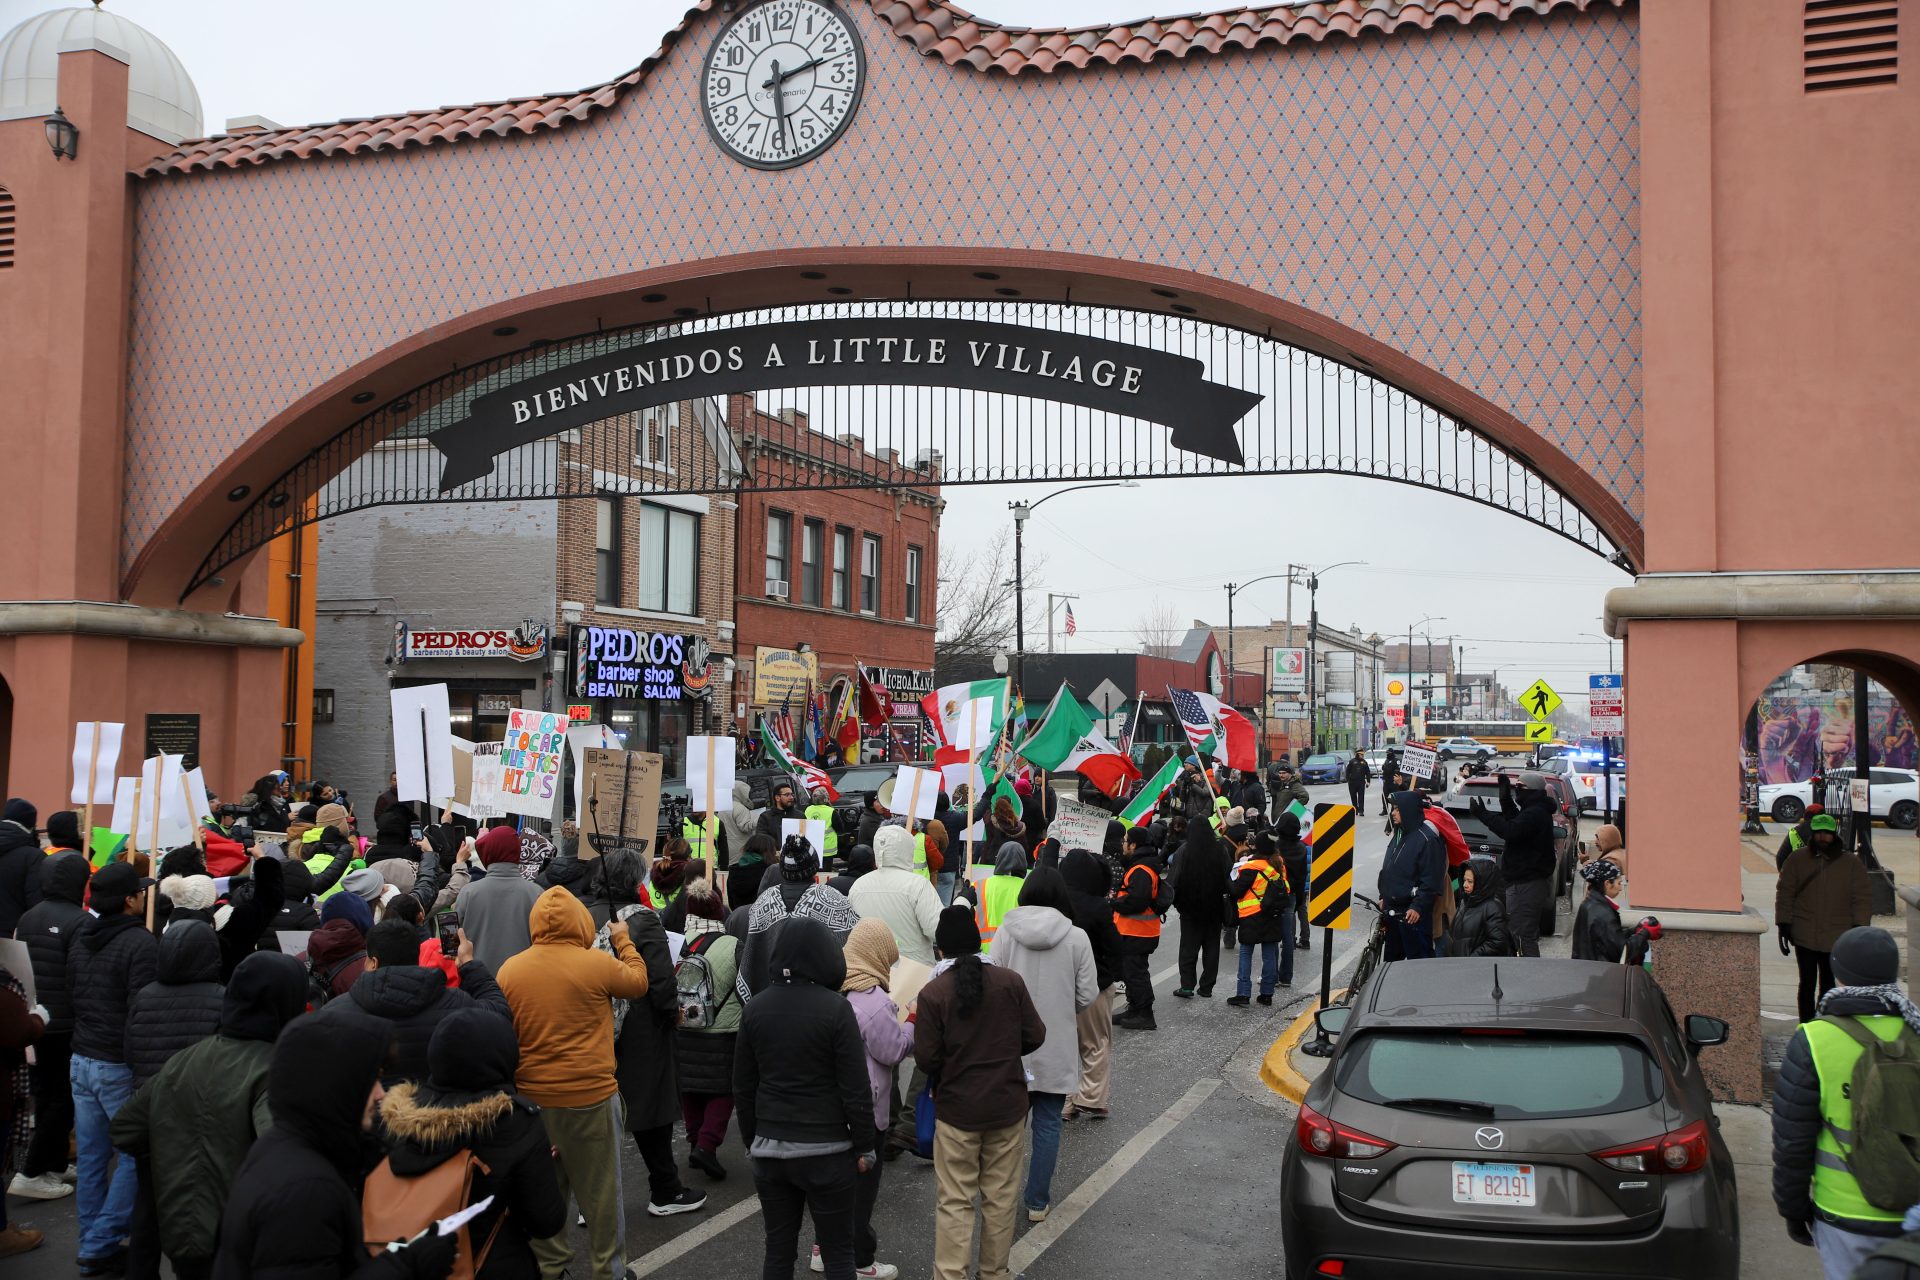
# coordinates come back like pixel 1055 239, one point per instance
pixel 1582 768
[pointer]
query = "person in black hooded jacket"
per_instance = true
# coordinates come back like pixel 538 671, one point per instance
pixel 1297 858
pixel 1528 862
pixel 294 1213
pixel 20 860
pixel 467 1102
pixel 1089 881
pixel 49 928
pixel 182 1003
pixel 1480 922
pixel 805 1105
pixel 246 922
pixel 859 862
pixel 1410 879
pixel 1200 898
pixel 297 912
pixel 412 998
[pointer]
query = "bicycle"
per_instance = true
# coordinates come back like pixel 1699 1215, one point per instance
pixel 1369 961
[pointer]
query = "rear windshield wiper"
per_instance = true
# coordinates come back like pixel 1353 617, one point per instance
pixel 1459 1105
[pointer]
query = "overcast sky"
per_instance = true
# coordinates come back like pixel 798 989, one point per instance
pixel 1517 598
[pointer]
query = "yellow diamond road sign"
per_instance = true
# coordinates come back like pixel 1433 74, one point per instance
pixel 1539 731
pixel 1539 701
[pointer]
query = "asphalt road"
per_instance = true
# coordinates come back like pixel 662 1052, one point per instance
pixel 1188 1165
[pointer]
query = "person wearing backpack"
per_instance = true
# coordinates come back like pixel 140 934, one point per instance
pixel 1846 1110
pixel 709 1026
pixel 464 1112
pixel 1145 894
pixel 1263 907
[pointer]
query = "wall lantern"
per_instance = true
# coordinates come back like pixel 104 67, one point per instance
pixel 62 135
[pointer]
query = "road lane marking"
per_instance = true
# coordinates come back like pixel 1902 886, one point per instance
pixel 1028 1249
pixel 688 1241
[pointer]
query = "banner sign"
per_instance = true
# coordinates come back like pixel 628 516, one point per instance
pixel 522 644
pixel 530 759
pixel 1418 760
pixel 1340 665
pixel 653 666
pixel 973 355
pixel 905 687
pixel 622 804
pixel 783 674
pixel 1287 671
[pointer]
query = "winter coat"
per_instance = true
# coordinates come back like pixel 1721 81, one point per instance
pixel 337 948
pixel 1297 858
pixel 494 912
pixel 197 1119
pixel 1250 795
pixel 49 928
pixel 703 1056
pixel 113 957
pixel 870 823
pixel 1263 927
pixel 738 823
pixel 1797 1120
pixel 412 999
pixel 20 862
pixel 900 899
pixel 1416 859
pixel 1358 773
pixel 253 902
pixel 1090 881
pixel 800 1066
pixel 780 901
pixel 425 1128
pixel 888 1041
pixel 181 1006
pixel 1597 932
pixel 1200 887
pixel 1283 794
pixel 1821 898
pixel 1527 828
pixel 1480 921
pixel 858 862
pixel 768 824
pixel 644 1050
pixel 976 1061
pixel 1055 960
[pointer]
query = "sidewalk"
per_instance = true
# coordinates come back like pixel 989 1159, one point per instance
pixel 1765 1251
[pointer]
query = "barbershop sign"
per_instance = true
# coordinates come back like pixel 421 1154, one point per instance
pixel 620 663
pixel 972 355
pixel 522 643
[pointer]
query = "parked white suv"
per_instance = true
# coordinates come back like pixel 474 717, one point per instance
pixel 1464 748
pixel 1895 795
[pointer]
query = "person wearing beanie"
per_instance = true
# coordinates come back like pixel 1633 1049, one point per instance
pixel 1263 923
pixel 1597 931
pixel 899 897
pixel 192 1125
pixel 20 860
pixel 794 895
pixel 63 833
pixel 973 1025
pixel 560 990
pixel 393 837
pixel 1137 919
pixel 328 848
pixel 467 1104
pixel 297 912
pixel 192 898
pixel 703 1056
pixel 1828 1179
pixel 494 908
pixel 412 998
pixel 1822 891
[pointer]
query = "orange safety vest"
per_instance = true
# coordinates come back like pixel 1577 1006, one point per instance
pixel 1148 925
pixel 1263 882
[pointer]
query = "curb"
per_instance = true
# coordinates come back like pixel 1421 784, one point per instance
pixel 1276 1071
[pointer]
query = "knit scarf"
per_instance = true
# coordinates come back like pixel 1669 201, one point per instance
pixel 18 1085
pixel 1888 994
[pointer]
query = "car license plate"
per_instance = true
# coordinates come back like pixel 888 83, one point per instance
pixel 1478 1183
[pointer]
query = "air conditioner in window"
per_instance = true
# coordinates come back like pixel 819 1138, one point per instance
pixel 778 587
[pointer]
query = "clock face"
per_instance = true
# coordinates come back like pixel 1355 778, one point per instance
pixel 782 81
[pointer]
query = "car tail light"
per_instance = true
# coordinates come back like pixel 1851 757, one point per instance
pixel 1331 1267
pixel 1319 1136
pixel 1682 1151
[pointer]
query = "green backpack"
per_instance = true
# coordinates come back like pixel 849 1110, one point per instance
pixel 1885 1090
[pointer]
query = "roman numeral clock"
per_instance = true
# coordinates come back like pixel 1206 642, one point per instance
pixel 782 81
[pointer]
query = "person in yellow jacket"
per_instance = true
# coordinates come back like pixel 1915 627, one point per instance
pixel 821 811
pixel 1000 892
pixel 1821 1187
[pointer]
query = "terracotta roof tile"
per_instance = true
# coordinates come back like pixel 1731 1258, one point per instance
pixel 936 28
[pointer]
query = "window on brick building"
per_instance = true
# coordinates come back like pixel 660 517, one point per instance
pixel 843 569
pixel 870 574
pixel 913 584
pixel 669 559
pixel 779 554
pixel 606 550
pixel 653 439
pixel 813 553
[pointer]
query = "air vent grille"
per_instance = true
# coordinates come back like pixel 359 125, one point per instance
pixel 1849 44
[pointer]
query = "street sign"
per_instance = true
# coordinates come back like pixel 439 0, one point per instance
pixel 1607 704
pixel 1539 731
pixel 1331 905
pixel 1610 680
pixel 1540 701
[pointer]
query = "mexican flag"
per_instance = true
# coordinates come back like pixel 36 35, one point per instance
pixel 1101 763
pixel 1234 738
pixel 1058 735
pixel 808 777
pixel 1143 805
pixel 945 705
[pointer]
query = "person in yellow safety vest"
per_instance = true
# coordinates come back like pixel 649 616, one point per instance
pixel 699 831
pixel 1821 1184
pixel 1000 892
pixel 329 850
pixel 1136 917
pixel 1261 874
pixel 821 811
pixel 1219 816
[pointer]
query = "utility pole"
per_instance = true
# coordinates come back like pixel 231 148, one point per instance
pixel 1051 597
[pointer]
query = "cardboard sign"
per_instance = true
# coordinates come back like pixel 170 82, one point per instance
pixel 710 773
pixel 1418 760
pixel 814 830
pixel 1079 826
pixel 622 805
pixel 530 759
pixel 96 757
pixel 422 743
pixel 916 793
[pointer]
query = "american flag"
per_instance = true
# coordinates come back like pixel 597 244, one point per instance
pixel 1126 734
pixel 781 722
pixel 1071 626
pixel 1193 715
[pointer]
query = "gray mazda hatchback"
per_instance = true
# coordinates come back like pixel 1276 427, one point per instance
pixel 1511 1118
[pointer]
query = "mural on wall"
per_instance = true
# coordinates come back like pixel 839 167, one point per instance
pixel 1802 728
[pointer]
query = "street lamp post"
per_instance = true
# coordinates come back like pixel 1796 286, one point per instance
pixel 1313 649
pixel 1021 510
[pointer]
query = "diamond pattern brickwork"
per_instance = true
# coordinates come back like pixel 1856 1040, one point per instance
pixel 1465 193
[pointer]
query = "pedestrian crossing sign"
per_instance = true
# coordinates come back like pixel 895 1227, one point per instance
pixel 1539 731
pixel 1540 701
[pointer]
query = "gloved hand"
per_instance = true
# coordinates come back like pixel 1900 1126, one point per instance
pixel 1650 925
pixel 1477 807
pixel 1786 939
pixel 431 1257
pixel 1800 1233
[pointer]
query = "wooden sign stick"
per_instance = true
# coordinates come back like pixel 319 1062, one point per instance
pixel 199 827
pixel 706 823
pixel 133 836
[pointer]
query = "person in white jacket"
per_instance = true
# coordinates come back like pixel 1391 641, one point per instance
pixel 737 823
pixel 896 895
pixel 1039 941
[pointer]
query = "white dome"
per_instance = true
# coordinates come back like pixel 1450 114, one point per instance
pixel 161 99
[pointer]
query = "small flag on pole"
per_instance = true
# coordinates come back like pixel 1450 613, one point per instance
pixel 1071 625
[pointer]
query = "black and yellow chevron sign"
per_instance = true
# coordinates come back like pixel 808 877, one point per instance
pixel 1331 903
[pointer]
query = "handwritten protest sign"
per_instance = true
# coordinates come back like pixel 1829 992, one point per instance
pixel 530 757
pixel 1079 826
